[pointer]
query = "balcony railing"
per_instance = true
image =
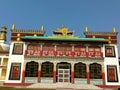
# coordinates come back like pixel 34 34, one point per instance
pixel 63 53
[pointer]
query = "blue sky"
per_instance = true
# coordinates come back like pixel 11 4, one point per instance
pixel 98 15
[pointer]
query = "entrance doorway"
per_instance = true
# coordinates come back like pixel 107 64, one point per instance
pixel 63 72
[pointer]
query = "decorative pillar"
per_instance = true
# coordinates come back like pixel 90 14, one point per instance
pixel 23 72
pixel 88 74
pixel 25 50
pixel 54 73
pixel 72 76
pixel 103 75
pixel 55 50
pixel 73 51
pixel 41 49
pixel 87 51
pixel 39 72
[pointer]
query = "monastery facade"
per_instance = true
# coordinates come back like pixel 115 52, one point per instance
pixel 33 57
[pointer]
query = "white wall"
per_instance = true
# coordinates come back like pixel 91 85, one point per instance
pixel 14 59
pixel 111 61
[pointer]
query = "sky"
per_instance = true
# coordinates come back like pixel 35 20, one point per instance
pixel 98 15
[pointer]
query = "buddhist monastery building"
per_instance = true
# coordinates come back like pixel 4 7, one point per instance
pixel 32 57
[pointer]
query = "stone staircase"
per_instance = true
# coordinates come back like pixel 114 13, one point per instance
pixel 65 86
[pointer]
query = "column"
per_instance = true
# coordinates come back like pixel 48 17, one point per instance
pixel 54 73
pixel 55 50
pixel 73 51
pixel 39 72
pixel 87 51
pixel 25 50
pixel 41 49
pixel 23 72
pixel 72 76
pixel 88 74
pixel 103 75
pixel 101 53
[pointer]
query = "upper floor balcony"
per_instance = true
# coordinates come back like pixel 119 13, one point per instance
pixel 64 51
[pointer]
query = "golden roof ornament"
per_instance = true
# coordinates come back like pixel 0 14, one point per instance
pixel 42 28
pixel 63 26
pixel 86 29
pixel 13 27
pixel 114 29
pixel 3 33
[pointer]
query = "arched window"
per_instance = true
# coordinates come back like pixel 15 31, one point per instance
pixel 31 69
pixel 95 71
pixel 80 70
pixel 47 69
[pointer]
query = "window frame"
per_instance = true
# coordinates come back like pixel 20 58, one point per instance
pixel 11 71
pixel 44 69
pixel 115 71
pixel 15 52
pixel 80 72
pixel 112 52
pixel 93 69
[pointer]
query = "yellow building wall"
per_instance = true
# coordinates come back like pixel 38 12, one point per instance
pixel 3 74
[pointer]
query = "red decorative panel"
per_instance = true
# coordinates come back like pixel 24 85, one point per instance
pixel 64 50
pixel 112 73
pixel 97 52
pixel 91 51
pixel 94 51
pixel 18 48
pixel 109 51
pixel 33 49
pixel 15 71
pixel 48 49
pixel 80 51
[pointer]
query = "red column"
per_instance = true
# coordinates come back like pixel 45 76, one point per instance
pixel 23 75
pixel 103 78
pixel 39 72
pixel 72 76
pixel 72 73
pixel 39 75
pixel 54 77
pixel 88 77
pixel 54 73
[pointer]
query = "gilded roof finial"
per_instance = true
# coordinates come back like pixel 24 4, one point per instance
pixel 114 29
pixel 62 25
pixel 42 28
pixel 3 33
pixel 13 27
pixel 86 29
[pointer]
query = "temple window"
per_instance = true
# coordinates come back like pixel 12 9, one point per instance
pixel 64 50
pixel 48 49
pixel 33 49
pixel 112 73
pixel 18 48
pixel 80 70
pixel 109 51
pixel 47 69
pixel 95 71
pixel 94 51
pixel 31 69
pixel 91 51
pixel 80 51
pixel 15 71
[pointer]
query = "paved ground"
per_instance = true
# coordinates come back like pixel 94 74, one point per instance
pixel 57 86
